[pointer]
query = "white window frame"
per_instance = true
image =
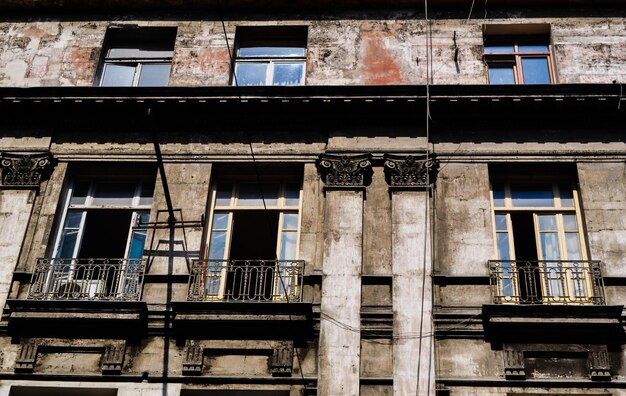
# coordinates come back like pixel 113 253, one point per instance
pixel 280 207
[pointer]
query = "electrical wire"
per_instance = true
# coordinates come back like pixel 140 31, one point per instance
pixel 259 186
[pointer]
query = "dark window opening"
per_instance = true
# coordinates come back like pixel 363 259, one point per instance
pixel 526 254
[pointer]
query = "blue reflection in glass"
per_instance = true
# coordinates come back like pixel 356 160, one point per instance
pixel 288 73
pixel 536 71
pixel 498 49
pixel 501 73
pixel 532 196
pixel 261 51
pixel 533 48
pixel 118 75
pixel 251 74
pixel 154 75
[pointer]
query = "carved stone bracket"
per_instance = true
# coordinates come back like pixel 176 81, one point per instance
pixel 599 366
pixel 410 171
pixel 281 361
pixel 113 358
pixel 194 354
pixel 26 358
pixel 24 170
pixel 345 171
pixel 513 364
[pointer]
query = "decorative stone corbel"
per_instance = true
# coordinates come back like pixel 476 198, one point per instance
pixel 113 358
pixel 281 361
pixel 24 170
pixel 345 171
pixel 194 354
pixel 599 366
pixel 26 358
pixel 513 364
pixel 410 171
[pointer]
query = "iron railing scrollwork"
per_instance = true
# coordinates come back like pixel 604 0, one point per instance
pixel 246 280
pixel 546 282
pixel 91 279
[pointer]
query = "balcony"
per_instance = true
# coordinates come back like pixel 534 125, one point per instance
pixel 549 301
pixel 74 296
pixel 87 279
pixel 226 298
pixel 546 282
pixel 246 280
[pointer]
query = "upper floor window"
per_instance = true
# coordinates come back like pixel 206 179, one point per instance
pixel 270 56
pixel 540 246
pixel 137 57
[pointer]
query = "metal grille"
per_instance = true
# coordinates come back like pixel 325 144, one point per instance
pixel 87 279
pixel 246 280
pixel 546 282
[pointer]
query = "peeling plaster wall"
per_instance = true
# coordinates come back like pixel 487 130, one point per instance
pixel 343 49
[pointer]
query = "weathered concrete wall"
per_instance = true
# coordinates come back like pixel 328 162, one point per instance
pixel 344 49
pixel 339 347
pixel 603 198
pixel 15 210
pixel 174 249
pixel 377 226
pixel 413 356
pixel 464 241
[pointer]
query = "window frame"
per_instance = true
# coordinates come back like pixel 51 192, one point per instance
pixel 270 36
pixel 516 56
pixel 556 209
pixel 132 38
pixel 233 206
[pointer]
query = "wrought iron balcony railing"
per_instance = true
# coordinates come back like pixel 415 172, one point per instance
pixel 546 282
pixel 246 280
pixel 87 279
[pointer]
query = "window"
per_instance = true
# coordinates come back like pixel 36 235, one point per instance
pixel 100 243
pixel 540 246
pixel 252 245
pixel 519 60
pixel 270 56
pixel 137 57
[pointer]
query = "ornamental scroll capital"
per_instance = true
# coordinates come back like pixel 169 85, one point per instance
pixel 410 171
pixel 345 171
pixel 24 170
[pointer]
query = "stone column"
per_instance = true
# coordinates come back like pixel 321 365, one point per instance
pixel 345 178
pixel 21 175
pixel 410 178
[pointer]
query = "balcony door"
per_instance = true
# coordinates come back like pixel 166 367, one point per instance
pixel 253 240
pixel 542 256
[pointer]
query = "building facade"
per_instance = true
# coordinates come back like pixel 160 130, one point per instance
pixel 300 198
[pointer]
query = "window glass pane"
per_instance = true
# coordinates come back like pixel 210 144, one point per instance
pixel 147 191
pixel 290 221
pixel 550 246
pixel 498 195
pixel 567 196
pixel 501 73
pixel 547 222
pixel 501 222
pixel 569 222
pixel 137 243
pixel 533 48
pixel 250 74
pixel 542 196
pixel 72 220
pixel 498 49
pixel 573 246
pixel 503 246
pixel 261 51
pixel 288 73
pixel 224 193
pixel 118 75
pixel 154 75
pixel 68 242
pixel 249 195
pixel 120 194
pixel 292 194
pixel 79 193
pixel 288 246
pixel 536 71
pixel 218 245
pixel 220 221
